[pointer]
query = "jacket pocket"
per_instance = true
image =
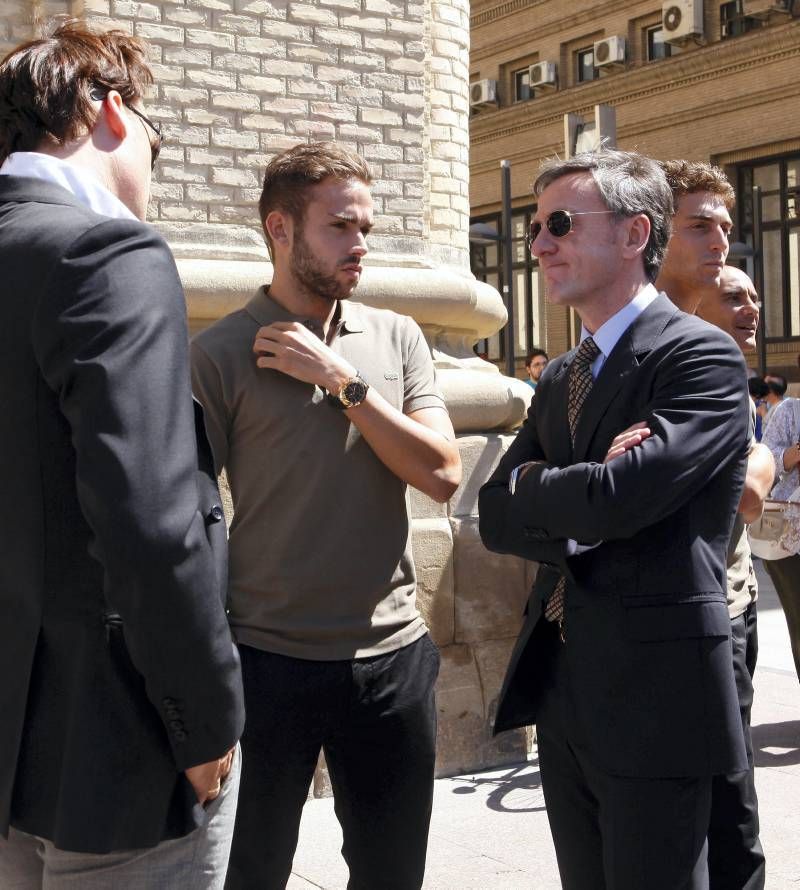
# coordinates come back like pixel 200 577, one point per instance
pixel 646 622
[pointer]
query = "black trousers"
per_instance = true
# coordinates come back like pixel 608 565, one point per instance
pixel 375 718
pixel 616 832
pixel 735 856
pixel 785 575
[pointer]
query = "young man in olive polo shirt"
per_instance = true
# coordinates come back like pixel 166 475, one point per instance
pixel 322 411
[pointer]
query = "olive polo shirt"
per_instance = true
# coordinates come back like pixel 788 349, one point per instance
pixel 320 544
pixel 741 576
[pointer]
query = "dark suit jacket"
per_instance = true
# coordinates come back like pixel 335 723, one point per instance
pixel 117 669
pixel 647 649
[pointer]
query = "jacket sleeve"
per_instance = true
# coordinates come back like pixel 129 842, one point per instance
pixel 497 529
pixel 697 412
pixel 112 342
pixel 208 390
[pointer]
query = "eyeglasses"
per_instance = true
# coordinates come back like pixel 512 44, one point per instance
pixel 559 224
pixel 155 126
pixel 155 147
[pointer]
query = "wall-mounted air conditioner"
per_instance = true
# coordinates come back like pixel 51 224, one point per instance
pixel 609 52
pixel 482 93
pixel 542 74
pixel 682 20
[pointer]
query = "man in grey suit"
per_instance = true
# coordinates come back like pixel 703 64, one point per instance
pixel 624 660
pixel 120 687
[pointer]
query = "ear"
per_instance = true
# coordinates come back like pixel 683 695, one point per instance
pixel 115 117
pixel 279 227
pixel 637 234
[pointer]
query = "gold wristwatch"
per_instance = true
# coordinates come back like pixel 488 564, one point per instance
pixel 352 392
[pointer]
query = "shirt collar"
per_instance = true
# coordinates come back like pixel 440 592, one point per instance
pixel 266 311
pixel 78 181
pixel 609 333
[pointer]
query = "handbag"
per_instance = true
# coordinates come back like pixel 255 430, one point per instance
pixel 766 533
pixel 776 534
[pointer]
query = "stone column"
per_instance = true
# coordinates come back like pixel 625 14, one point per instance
pixel 237 81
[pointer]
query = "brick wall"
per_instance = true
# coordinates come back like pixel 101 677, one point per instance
pixel 238 80
pixel 20 19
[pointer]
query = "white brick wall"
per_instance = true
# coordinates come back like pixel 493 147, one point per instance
pixel 238 80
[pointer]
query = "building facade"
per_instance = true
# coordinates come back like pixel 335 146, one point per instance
pixel 708 81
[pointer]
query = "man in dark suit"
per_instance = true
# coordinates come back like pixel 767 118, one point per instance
pixel 120 688
pixel 624 660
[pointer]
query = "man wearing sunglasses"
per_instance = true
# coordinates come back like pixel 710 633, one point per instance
pixel 120 688
pixel 624 660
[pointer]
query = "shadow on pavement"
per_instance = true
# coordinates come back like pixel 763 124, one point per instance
pixel 519 790
pixel 784 735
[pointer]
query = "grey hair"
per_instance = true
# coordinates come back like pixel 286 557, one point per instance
pixel 629 184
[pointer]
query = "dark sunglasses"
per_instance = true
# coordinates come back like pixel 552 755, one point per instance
pixel 559 224
pixel 155 147
pixel 155 126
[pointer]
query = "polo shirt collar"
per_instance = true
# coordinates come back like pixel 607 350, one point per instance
pixel 266 311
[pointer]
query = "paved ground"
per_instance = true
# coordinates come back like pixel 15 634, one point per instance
pixel 489 830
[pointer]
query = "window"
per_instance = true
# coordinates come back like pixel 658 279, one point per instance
pixel 585 65
pixel 522 85
pixel 657 47
pixel 733 22
pixel 779 184
pixel 486 261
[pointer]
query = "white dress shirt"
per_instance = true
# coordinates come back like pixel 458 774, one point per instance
pixel 78 181
pixel 609 333
pixel 606 338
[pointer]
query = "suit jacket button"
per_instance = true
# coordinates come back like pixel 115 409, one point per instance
pixel 168 702
pixel 180 735
pixel 215 514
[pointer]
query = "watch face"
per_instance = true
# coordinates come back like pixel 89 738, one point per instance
pixel 354 392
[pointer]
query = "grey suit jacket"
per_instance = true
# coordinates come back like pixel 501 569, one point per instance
pixel 647 630
pixel 117 668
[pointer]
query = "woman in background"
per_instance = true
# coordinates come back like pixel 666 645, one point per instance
pixel 782 437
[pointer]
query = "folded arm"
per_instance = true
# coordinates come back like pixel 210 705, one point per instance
pixel 418 446
pixel 697 418
pixel 498 532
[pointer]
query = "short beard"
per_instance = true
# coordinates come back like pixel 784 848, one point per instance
pixel 312 278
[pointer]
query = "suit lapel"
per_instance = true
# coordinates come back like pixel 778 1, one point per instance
pixel 613 374
pixel 551 417
pixel 636 342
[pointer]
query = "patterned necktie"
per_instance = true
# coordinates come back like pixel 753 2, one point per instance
pixel 580 382
pixel 580 385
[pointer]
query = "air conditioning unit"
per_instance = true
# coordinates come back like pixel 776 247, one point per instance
pixel 482 93
pixel 542 74
pixel 682 20
pixel 610 51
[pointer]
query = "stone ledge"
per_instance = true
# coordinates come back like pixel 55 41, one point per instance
pixel 454 310
pixel 439 297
